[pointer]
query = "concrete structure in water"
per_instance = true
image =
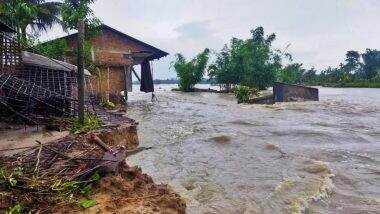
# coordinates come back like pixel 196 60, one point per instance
pixel 283 92
pixel 114 55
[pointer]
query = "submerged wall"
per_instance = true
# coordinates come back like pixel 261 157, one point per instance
pixel 288 93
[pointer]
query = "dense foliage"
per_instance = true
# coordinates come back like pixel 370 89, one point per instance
pixel 252 62
pixel 39 15
pixel 228 67
pixel 74 10
pixel 190 72
pixel 56 49
pixel 91 121
pixel 244 93
pixel 358 70
pixel 292 74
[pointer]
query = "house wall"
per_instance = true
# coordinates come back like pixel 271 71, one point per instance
pixel 108 82
pixel 108 51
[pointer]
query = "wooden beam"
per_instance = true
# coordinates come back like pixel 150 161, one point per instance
pixel 137 76
pixel 127 80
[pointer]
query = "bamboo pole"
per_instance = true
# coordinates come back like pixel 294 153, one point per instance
pixel 81 71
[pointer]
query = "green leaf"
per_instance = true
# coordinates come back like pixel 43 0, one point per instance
pixel 12 181
pixel 16 209
pixel 95 177
pixel 87 203
pixel 86 189
pixel 70 185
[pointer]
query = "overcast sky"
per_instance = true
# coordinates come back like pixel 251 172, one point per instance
pixel 319 31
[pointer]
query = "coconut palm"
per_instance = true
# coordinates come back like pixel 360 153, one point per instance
pixel 37 14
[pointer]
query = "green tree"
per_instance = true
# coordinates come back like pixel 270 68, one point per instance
pixel 292 73
pixel 310 77
pixel 371 59
pixel 56 49
pixel 190 72
pixel 261 63
pixel 352 62
pixel 74 10
pixel 40 15
pixel 332 75
pixel 225 70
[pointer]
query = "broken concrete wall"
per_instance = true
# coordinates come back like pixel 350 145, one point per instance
pixel 283 92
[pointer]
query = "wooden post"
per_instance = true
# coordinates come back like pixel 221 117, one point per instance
pixel 127 80
pixel 125 84
pixel 108 85
pixel 137 76
pixel 80 74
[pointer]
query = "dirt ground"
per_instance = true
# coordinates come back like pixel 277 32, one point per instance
pixel 126 191
pixel 131 192
pixel 15 136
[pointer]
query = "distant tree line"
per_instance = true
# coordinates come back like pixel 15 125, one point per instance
pixel 254 63
pixel 358 70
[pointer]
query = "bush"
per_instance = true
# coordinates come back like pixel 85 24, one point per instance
pixel 56 49
pixel 244 93
pixel 108 105
pixel 190 72
pixel 91 121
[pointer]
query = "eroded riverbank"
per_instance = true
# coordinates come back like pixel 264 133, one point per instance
pixel 227 158
pixel 78 173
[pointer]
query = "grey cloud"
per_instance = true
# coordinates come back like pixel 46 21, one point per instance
pixel 195 30
pixel 320 31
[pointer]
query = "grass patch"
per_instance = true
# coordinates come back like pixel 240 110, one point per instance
pixel 51 190
pixel 108 105
pixel 91 121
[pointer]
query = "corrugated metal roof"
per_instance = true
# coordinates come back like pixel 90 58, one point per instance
pixel 29 58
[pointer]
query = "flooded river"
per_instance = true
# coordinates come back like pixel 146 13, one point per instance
pixel 311 157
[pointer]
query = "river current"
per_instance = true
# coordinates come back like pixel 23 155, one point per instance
pixel 224 157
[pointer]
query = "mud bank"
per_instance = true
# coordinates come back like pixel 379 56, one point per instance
pixel 125 190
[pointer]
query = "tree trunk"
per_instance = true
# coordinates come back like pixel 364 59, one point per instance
pixel 24 38
pixel 80 74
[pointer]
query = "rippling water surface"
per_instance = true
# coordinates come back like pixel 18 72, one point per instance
pixel 311 157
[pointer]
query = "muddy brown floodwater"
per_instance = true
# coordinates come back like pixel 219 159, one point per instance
pixel 311 157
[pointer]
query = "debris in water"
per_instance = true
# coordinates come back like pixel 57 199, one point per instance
pixel 222 139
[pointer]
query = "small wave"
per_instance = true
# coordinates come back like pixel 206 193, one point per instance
pixel 244 123
pixel 294 194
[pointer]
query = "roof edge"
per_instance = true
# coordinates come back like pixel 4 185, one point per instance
pixel 162 53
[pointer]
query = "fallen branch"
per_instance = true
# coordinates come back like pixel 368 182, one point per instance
pixel 135 151
pixel 38 157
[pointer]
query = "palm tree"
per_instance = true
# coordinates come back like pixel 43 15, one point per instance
pixel 47 14
pixel 37 14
